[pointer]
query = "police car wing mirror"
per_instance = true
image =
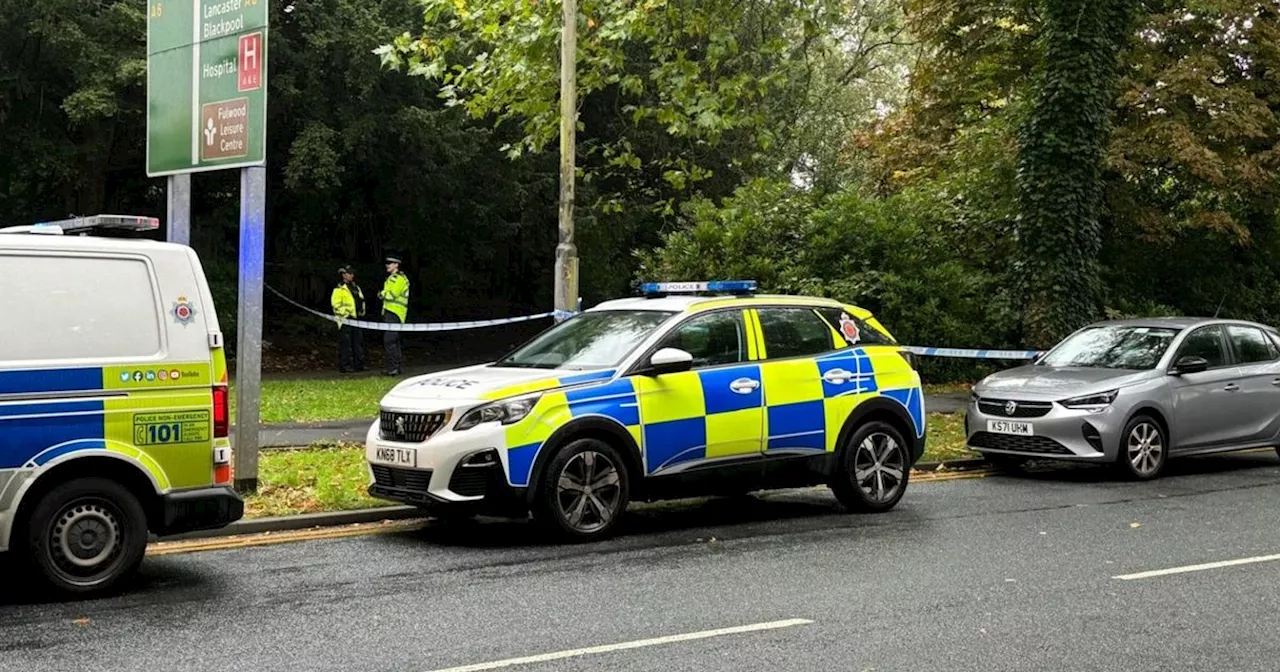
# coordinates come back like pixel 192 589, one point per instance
pixel 668 360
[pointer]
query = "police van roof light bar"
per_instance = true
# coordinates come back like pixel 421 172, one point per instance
pixel 125 222
pixel 722 286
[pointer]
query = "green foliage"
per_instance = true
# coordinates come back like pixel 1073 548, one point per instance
pixel 1061 144
pixel 891 256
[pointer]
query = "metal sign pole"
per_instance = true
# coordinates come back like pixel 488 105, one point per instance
pixel 253 210
pixel 179 222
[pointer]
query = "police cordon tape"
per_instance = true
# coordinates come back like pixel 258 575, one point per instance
pixel 561 315
pixel 423 326
pixel 972 354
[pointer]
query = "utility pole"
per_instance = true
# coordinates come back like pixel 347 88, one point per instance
pixel 566 286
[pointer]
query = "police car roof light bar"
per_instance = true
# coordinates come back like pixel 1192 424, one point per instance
pixel 125 222
pixel 720 286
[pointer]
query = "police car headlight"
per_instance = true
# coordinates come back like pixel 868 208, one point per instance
pixel 506 412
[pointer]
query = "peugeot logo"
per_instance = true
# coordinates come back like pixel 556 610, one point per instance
pixel 400 425
pixel 1010 407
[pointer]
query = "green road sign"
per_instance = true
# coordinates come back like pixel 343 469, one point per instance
pixel 206 85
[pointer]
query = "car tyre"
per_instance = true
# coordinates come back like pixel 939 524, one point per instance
pixel 872 470
pixel 584 491
pixel 86 535
pixel 1144 449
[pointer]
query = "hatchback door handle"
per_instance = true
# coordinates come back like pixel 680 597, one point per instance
pixel 1231 387
pixel 1275 381
pixel 744 385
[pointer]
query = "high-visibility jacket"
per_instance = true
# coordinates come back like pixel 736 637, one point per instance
pixel 347 301
pixel 395 295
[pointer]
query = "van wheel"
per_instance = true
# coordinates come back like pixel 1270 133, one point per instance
pixel 584 491
pixel 873 469
pixel 1144 450
pixel 85 535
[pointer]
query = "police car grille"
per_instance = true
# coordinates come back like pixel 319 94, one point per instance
pixel 1041 445
pixel 414 480
pixel 409 427
pixel 1023 409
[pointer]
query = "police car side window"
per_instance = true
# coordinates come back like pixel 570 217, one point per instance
pixel 866 334
pixel 713 339
pixel 794 332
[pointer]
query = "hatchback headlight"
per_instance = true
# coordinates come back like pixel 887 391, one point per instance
pixel 1092 402
pixel 506 412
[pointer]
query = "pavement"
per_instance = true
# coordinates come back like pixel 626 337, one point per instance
pixel 305 433
pixel 984 574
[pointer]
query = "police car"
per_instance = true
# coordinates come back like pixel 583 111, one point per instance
pixel 691 389
pixel 113 400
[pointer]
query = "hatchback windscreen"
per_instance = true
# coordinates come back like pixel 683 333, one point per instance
pixel 588 341
pixel 1138 348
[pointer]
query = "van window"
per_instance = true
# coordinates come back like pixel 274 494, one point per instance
pixel 76 308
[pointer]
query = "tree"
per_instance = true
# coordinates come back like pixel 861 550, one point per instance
pixel 1061 146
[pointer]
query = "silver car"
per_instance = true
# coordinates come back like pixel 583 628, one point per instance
pixel 1134 393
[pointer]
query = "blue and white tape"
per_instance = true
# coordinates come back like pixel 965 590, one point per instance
pixel 972 354
pixel 424 326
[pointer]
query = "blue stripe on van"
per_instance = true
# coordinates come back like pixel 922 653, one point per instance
pixel 50 380
pixel 25 437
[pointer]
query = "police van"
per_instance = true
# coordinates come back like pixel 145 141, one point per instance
pixel 691 389
pixel 113 400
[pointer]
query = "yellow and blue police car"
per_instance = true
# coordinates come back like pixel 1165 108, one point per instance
pixel 690 389
pixel 113 400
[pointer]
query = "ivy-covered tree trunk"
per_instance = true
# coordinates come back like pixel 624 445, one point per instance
pixel 1061 145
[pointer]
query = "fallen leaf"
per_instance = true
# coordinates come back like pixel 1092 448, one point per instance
pixel 1135 525
pixel 81 621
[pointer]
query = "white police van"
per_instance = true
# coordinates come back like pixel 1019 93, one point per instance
pixel 114 409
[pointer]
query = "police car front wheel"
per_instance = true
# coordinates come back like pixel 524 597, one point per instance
pixel 584 490
pixel 873 469
pixel 86 534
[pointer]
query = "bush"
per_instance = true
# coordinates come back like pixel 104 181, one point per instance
pixel 893 256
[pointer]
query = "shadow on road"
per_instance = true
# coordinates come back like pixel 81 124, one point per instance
pixel 157 582
pixel 1224 463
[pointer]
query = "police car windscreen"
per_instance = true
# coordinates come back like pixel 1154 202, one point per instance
pixel 596 340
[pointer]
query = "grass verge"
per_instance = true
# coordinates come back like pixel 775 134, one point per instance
pixel 329 477
pixel 311 400
pixel 325 477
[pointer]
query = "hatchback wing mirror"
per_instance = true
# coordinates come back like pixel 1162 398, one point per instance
pixel 668 360
pixel 1190 364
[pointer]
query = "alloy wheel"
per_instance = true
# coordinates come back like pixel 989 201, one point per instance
pixel 588 491
pixel 1145 448
pixel 879 466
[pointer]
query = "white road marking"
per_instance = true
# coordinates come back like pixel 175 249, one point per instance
pixel 623 646
pixel 1197 568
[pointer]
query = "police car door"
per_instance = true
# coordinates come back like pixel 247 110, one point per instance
pixel 714 412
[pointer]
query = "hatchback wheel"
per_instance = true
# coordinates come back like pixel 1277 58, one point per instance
pixel 1144 449
pixel 873 469
pixel 85 535
pixel 584 491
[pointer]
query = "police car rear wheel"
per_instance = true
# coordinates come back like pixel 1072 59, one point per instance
pixel 86 534
pixel 874 469
pixel 584 490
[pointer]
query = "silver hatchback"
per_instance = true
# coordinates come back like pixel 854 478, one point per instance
pixel 1134 393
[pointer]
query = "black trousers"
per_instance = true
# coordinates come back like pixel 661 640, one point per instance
pixel 391 343
pixel 350 348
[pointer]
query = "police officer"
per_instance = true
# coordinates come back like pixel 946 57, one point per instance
pixel 395 309
pixel 348 303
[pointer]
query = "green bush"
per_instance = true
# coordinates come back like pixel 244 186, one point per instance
pixel 890 256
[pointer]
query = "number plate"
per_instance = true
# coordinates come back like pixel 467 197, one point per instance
pixel 1009 427
pixel 401 457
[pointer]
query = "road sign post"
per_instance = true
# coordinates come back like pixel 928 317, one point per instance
pixel 207 110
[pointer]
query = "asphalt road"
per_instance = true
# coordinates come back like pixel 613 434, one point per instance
pixel 998 573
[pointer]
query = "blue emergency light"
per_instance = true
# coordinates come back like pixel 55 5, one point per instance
pixel 725 286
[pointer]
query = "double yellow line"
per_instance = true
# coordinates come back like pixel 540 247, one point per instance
pixel 384 527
